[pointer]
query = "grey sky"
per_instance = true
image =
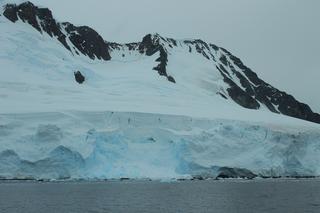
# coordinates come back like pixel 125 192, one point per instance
pixel 278 39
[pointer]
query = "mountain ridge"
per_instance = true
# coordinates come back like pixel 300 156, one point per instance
pixel 241 84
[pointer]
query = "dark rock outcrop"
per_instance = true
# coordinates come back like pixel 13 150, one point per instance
pixel 277 101
pixel 87 41
pixel 202 48
pixel 226 172
pixel 79 77
pixel 84 39
pixel 151 45
pixel 238 95
pixel 39 18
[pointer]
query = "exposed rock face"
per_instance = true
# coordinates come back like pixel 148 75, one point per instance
pixel 238 95
pixel 88 41
pixel 202 48
pixel 270 96
pixel 79 77
pixel 151 45
pixel 29 13
pixel 84 39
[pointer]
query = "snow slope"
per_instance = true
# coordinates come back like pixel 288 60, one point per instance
pixel 126 120
pixel 43 80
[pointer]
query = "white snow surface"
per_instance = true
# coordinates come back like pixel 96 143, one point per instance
pixel 127 121
pixel 37 75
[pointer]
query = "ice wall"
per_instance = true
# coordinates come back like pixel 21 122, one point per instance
pixel 105 145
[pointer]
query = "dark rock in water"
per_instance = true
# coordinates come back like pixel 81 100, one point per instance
pixel 304 177
pixel 79 77
pixel 226 172
pixel 124 179
pixel 197 177
pixel 269 177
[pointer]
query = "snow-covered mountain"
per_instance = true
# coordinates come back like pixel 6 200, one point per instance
pixel 67 93
pixel 193 63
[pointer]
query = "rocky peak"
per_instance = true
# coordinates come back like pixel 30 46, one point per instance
pixel 87 41
pixel 84 39
pixel 152 44
pixel 39 18
pixel 26 11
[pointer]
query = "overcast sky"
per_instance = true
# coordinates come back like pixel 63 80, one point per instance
pixel 278 39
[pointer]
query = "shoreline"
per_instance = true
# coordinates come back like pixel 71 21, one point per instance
pixel 179 180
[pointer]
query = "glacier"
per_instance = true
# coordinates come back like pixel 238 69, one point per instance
pixel 115 145
pixel 127 121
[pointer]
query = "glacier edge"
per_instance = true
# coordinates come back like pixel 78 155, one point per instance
pixel 105 145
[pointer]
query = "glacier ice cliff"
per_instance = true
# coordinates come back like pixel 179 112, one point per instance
pixel 104 145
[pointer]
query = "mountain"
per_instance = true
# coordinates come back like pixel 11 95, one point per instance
pixel 69 97
pixel 241 84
